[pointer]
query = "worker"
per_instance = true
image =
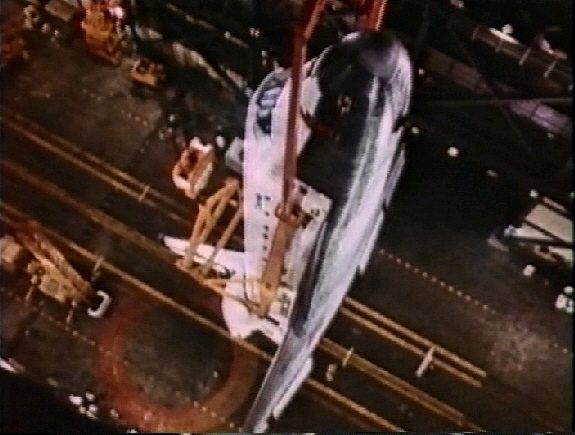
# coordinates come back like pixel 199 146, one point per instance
pixel 205 165
pixel 219 139
pixel 509 231
pixel 183 169
pixel 195 167
pixel 116 10
pixel 197 144
pixel 220 142
pixel 191 173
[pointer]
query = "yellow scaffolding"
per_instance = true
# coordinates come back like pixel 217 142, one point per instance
pixel 209 215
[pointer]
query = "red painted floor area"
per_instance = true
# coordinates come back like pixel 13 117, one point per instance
pixel 140 408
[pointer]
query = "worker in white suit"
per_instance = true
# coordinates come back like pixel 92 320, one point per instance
pixel 192 172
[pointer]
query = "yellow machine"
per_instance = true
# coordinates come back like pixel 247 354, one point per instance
pixel 147 73
pixel 50 272
pixel 102 32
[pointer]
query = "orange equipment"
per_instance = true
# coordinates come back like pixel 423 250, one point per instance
pixel 50 271
pixel 147 73
pixel 102 32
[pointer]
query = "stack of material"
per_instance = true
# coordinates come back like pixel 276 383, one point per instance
pixel 147 73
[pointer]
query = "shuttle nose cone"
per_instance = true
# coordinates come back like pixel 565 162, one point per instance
pixel 378 53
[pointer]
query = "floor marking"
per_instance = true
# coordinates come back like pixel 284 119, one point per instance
pixel 435 280
pixel 99 98
pixel 466 297
pixel 310 383
pixel 78 335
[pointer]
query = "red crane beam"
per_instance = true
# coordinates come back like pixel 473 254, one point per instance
pixel 372 10
pixel 370 15
pixel 302 33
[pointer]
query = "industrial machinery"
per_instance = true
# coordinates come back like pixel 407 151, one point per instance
pixel 102 31
pixel 12 45
pixel 547 231
pixel 50 272
pixel 542 240
pixel 147 73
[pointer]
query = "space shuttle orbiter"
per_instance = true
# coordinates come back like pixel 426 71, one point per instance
pixel 358 91
pixel 312 214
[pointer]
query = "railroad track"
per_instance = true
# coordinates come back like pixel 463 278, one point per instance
pixel 11 216
pixel 146 195
pixel 410 341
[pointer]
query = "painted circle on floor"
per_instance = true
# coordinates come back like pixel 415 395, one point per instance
pixel 163 372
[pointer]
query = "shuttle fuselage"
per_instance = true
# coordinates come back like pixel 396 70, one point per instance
pixel 354 96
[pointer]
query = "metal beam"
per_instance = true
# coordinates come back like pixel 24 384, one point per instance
pixel 521 139
pixel 533 59
pixel 541 242
pixel 523 176
pixel 465 76
pixel 423 33
pixel 493 101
